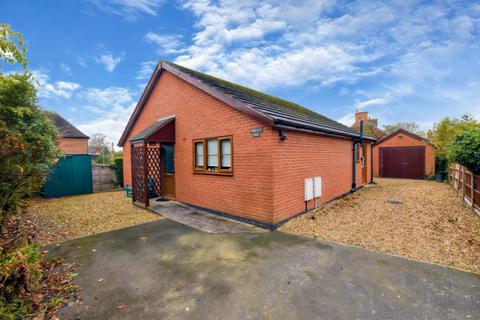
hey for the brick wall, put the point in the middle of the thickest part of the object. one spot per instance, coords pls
(403, 140)
(305, 155)
(74, 145)
(268, 180)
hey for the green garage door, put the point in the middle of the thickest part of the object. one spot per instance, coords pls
(71, 175)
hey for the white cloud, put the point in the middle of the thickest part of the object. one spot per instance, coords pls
(347, 119)
(276, 43)
(112, 96)
(49, 90)
(65, 68)
(109, 61)
(372, 102)
(281, 43)
(112, 106)
(111, 127)
(129, 9)
(166, 43)
(146, 70)
(81, 61)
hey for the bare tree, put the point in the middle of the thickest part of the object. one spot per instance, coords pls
(98, 140)
(408, 126)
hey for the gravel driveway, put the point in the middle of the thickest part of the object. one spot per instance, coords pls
(60, 219)
(417, 219)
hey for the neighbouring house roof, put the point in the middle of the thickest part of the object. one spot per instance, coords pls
(402, 131)
(66, 129)
(276, 112)
(96, 150)
(145, 134)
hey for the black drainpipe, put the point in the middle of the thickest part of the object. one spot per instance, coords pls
(354, 167)
(371, 163)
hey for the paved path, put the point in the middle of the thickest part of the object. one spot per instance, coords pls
(199, 219)
(165, 270)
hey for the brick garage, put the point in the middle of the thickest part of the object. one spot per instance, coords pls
(403, 154)
(274, 145)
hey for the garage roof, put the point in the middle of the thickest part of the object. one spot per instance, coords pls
(403, 131)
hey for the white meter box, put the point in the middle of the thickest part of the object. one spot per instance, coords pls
(308, 189)
(317, 187)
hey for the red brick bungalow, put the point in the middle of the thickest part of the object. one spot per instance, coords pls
(236, 151)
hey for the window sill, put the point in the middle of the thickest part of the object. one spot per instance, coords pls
(214, 173)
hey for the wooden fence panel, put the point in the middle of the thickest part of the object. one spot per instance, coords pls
(103, 178)
(466, 184)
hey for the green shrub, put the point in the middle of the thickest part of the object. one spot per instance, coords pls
(20, 275)
(441, 165)
(447, 130)
(466, 150)
(117, 166)
(28, 142)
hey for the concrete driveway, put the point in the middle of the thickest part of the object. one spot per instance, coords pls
(165, 270)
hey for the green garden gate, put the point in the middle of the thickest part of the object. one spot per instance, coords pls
(71, 175)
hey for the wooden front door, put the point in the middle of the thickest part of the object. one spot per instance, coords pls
(168, 172)
(364, 163)
(402, 162)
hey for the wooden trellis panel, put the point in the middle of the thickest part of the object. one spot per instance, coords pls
(146, 173)
(138, 174)
(154, 172)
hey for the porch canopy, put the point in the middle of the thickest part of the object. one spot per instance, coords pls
(159, 131)
(147, 159)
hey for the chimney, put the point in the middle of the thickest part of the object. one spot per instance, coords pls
(361, 116)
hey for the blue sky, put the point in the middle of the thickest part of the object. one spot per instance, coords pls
(399, 60)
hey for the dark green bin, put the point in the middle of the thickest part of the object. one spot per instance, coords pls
(71, 175)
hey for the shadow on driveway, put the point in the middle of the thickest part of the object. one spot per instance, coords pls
(165, 270)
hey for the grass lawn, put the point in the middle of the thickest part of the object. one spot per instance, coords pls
(56, 220)
(422, 220)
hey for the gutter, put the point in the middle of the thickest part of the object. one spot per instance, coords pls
(318, 132)
(302, 125)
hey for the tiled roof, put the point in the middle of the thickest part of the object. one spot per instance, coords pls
(66, 129)
(282, 111)
(277, 112)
